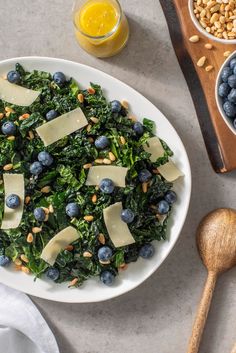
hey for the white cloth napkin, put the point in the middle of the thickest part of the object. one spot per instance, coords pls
(22, 327)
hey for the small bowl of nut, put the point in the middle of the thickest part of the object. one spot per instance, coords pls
(216, 19)
(225, 91)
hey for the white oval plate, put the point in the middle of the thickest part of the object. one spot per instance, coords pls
(93, 290)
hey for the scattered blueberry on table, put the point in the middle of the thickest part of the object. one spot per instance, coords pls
(107, 186)
(9, 128)
(13, 76)
(13, 201)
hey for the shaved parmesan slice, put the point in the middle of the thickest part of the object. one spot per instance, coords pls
(13, 184)
(17, 95)
(62, 126)
(169, 171)
(117, 229)
(154, 146)
(116, 174)
(59, 242)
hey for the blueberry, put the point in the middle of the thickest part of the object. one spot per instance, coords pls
(39, 214)
(72, 209)
(105, 253)
(131, 253)
(144, 176)
(232, 81)
(226, 72)
(170, 197)
(13, 201)
(36, 168)
(107, 186)
(53, 273)
(101, 142)
(4, 260)
(234, 123)
(127, 215)
(138, 128)
(59, 78)
(115, 106)
(232, 63)
(234, 70)
(163, 207)
(223, 90)
(52, 114)
(9, 128)
(147, 251)
(45, 158)
(13, 76)
(107, 277)
(229, 109)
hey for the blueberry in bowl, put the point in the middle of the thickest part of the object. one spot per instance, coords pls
(225, 91)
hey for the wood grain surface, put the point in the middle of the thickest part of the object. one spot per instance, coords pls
(219, 140)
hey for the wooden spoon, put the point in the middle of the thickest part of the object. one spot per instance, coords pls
(216, 240)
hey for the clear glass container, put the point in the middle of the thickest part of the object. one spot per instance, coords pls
(101, 26)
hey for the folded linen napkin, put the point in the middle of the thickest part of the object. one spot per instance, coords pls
(22, 327)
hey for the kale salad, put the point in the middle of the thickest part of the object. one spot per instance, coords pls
(56, 195)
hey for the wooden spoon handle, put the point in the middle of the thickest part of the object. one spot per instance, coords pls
(202, 313)
(234, 349)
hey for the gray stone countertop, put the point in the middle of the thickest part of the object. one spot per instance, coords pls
(157, 316)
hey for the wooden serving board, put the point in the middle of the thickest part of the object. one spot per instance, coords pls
(219, 140)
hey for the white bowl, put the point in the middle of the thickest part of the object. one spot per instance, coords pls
(219, 100)
(202, 30)
(93, 290)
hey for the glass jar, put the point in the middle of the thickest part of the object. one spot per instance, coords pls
(101, 27)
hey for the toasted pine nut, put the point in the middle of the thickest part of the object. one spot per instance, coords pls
(101, 238)
(24, 258)
(99, 161)
(46, 218)
(208, 46)
(125, 104)
(9, 110)
(194, 39)
(46, 189)
(88, 128)
(80, 97)
(87, 166)
(8, 166)
(30, 238)
(88, 218)
(24, 116)
(94, 120)
(123, 267)
(107, 262)
(69, 247)
(18, 262)
(227, 53)
(91, 140)
(209, 68)
(11, 138)
(91, 90)
(112, 156)
(1, 115)
(201, 61)
(133, 118)
(36, 230)
(27, 200)
(87, 254)
(31, 135)
(51, 209)
(8, 114)
(106, 161)
(144, 187)
(73, 282)
(46, 210)
(122, 140)
(25, 269)
(18, 267)
(94, 198)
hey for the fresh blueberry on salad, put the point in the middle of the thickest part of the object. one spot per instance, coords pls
(115, 106)
(223, 90)
(72, 209)
(101, 142)
(107, 277)
(105, 253)
(144, 176)
(39, 214)
(4, 260)
(127, 215)
(36, 168)
(107, 186)
(13, 76)
(147, 251)
(59, 78)
(13, 201)
(138, 128)
(163, 207)
(45, 158)
(9, 128)
(53, 273)
(170, 197)
(226, 72)
(51, 114)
